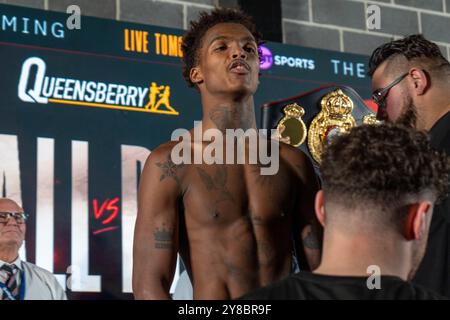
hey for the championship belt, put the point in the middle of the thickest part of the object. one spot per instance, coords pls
(312, 119)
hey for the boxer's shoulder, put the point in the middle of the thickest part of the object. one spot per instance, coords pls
(293, 156)
(162, 154)
(163, 150)
(299, 163)
(160, 165)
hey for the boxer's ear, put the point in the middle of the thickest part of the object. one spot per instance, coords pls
(196, 75)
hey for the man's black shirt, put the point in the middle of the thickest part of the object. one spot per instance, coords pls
(434, 271)
(311, 286)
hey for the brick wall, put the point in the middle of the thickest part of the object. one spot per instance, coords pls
(341, 24)
(329, 24)
(167, 13)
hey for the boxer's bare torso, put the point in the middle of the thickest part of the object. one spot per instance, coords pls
(233, 227)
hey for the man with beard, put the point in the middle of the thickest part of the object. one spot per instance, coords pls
(411, 83)
(234, 228)
(379, 187)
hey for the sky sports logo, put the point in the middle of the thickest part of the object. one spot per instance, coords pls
(47, 89)
(267, 60)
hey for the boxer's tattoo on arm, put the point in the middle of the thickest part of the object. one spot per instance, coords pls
(169, 169)
(310, 241)
(163, 238)
(218, 182)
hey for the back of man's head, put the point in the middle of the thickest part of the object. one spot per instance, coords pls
(373, 174)
(401, 54)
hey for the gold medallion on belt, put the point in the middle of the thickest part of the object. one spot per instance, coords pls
(335, 118)
(292, 126)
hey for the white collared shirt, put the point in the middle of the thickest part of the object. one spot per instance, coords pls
(40, 284)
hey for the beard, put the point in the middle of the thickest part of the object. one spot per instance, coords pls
(408, 117)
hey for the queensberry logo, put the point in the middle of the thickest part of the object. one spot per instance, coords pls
(47, 89)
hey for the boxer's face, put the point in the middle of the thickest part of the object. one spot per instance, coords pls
(229, 61)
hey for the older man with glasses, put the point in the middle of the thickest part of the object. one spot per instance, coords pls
(21, 280)
(411, 82)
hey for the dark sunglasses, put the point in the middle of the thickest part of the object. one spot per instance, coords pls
(20, 217)
(379, 95)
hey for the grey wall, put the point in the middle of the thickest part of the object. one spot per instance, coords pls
(329, 24)
(341, 24)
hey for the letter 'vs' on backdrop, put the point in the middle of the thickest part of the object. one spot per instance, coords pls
(80, 111)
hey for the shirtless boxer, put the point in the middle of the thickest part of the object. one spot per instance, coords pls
(234, 228)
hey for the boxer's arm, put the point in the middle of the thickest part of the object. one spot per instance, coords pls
(311, 230)
(156, 232)
(307, 230)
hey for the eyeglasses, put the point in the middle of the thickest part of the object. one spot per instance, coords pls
(379, 95)
(21, 217)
